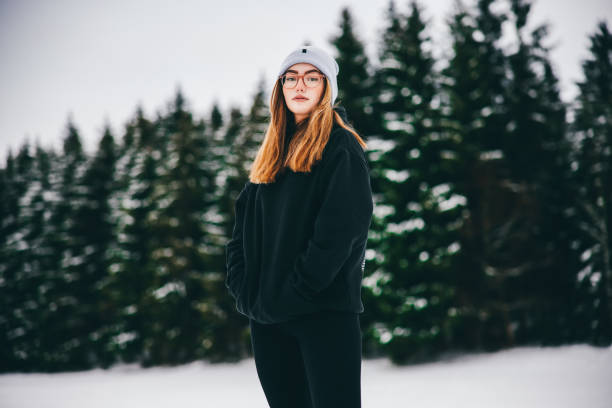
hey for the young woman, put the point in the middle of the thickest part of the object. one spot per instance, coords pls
(297, 253)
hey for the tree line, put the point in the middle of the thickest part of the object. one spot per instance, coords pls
(493, 208)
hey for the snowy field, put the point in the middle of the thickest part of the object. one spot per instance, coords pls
(576, 376)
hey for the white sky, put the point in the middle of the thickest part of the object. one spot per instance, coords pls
(97, 60)
(524, 377)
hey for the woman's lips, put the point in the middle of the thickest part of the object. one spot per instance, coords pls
(300, 98)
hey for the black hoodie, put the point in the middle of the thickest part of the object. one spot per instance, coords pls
(298, 244)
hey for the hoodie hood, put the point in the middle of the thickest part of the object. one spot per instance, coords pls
(342, 112)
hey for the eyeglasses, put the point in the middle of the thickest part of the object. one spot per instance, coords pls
(311, 80)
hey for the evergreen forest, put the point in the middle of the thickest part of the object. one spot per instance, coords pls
(491, 226)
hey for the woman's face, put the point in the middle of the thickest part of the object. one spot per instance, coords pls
(301, 99)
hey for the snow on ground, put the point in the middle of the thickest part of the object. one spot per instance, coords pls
(571, 376)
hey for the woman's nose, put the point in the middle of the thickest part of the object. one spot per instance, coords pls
(301, 85)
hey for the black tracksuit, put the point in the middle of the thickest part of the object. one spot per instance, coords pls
(297, 255)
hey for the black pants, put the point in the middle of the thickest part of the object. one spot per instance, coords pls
(311, 362)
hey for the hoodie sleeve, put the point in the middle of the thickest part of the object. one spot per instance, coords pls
(342, 221)
(234, 252)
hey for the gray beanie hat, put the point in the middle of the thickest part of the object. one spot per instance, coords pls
(317, 57)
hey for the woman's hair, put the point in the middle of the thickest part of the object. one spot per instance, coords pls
(307, 144)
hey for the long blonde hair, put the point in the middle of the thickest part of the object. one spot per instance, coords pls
(307, 144)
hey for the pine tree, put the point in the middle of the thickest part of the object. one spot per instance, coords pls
(531, 247)
(98, 226)
(7, 356)
(355, 81)
(184, 308)
(414, 236)
(8, 224)
(592, 161)
(216, 120)
(517, 266)
(64, 331)
(251, 131)
(16, 275)
(36, 208)
(133, 266)
(474, 88)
